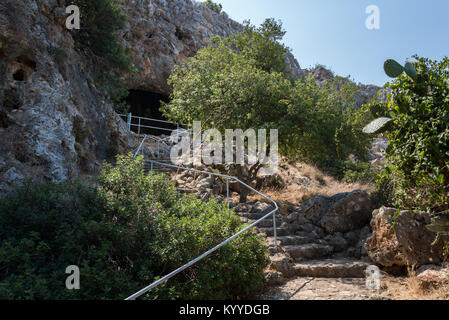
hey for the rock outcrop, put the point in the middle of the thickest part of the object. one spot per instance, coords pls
(162, 34)
(365, 94)
(403, 240)
(341, 213)
(55, 124)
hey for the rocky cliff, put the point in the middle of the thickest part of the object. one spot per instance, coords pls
(163, 33)
(367, 91)
(55, 124)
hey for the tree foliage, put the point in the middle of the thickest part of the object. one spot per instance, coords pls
(418, 152)
(242, 82)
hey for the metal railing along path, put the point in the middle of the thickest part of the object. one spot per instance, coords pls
(204, 255)
(140, 120)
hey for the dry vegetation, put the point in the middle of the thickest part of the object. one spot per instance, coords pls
(410, 288)
(303, 182)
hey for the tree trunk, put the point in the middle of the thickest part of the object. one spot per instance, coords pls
(246, 176)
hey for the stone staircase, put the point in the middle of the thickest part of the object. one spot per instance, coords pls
(301, 253)
(305, 248)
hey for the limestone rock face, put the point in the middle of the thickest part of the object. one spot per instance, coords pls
(162, 34)
(403, 240)
(55, 124)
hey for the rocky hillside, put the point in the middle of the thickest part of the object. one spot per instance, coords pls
(55, 123)
(367, 91)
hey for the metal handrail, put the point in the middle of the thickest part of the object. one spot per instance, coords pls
(204, 255)
(129, 117)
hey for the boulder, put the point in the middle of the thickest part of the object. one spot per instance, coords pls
(403, 240)
(432, 277)
(341, 213)
(280, 262)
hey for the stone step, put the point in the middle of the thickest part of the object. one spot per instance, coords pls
(282, 231)
(267, 223)
(290, 240)
(331, 268)
(309, 251)
(253, 215)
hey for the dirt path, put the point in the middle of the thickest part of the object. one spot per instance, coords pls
(324, 289)
(392, 288)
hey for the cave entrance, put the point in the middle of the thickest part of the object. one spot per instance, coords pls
(146, 104)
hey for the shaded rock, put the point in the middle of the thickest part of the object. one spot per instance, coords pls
(432, 277)
(262, 207)
(273, 278)
(337, 242)
(12, 177)
(340, 213)
(309, 251)
(270, 181)
(282, 263)
(352, 237)
(403, 240)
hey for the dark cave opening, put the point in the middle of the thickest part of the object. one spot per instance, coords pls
(146, 104)
(19, 75)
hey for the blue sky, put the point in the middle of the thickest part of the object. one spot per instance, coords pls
(333, 32)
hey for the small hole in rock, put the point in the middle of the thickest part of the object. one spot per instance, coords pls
(179, 34)
(19, 75)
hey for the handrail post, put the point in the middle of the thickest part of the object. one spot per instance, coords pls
(227, 191)
(129, 121)
(275, 231)
(139, 126)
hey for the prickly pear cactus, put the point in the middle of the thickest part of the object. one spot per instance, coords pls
(410, 70)
(392, 68)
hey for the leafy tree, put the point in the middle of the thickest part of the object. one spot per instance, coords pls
(262, 45)
(242, 82)
(327, 115)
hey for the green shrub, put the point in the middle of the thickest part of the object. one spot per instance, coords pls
(358, 171)
(217, 7)
(123, 234)
(418, 133)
